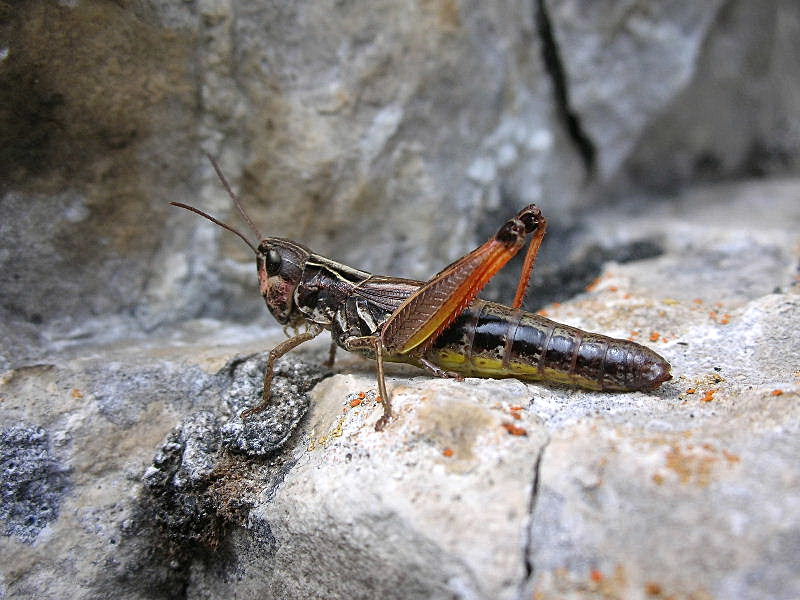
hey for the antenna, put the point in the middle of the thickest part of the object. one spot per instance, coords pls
(213, 220)
(235, 198)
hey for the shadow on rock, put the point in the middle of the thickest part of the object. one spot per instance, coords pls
(206, 477)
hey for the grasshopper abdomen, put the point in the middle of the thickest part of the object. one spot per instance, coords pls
(492, 340)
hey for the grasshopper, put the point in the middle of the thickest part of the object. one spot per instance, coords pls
(439, 325)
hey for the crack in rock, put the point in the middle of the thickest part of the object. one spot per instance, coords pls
(555, 69)
(529, 567)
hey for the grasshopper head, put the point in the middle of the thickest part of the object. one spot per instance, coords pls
(280, 266)
(280, 262)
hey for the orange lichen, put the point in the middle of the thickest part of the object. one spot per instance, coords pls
(593, 285)
(691, 465)
(698, 300)
(355, 402)
(709, 395)
(514, 429)
(362, 395)
(731, 457)
(596, 575)
(654, 335)
(448, 452)
(76, 393)
(514, 411)
(691, 391)
(776, 393)
(613, 288)
(652, 589)
(721, 320)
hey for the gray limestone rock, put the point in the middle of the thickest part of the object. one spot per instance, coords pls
(33, 482)
(265, 432)
(664, 93)
(623, 62)
(477, 489)
(739, 113)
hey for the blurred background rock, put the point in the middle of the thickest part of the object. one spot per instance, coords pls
(393, 137)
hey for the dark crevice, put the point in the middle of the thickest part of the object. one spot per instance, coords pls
(229, 370)
(555, 68)
(529, 566)
(559, 281)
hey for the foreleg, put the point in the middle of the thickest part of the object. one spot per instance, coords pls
(274, 354)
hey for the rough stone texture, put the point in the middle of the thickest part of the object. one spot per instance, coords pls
(95, 102)
(33, 481)
(400, 488)
(692, 491)
(741, 77)
(663, 93)
(264, 432)
(623, 62)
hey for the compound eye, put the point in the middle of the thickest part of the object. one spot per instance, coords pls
(273, 262)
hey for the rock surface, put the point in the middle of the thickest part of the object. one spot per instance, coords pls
(127, 473)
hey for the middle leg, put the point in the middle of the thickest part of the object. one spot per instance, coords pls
(373, 343)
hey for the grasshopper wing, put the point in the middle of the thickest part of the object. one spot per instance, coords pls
(420, 319)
